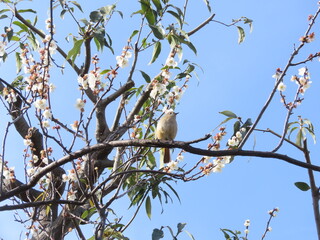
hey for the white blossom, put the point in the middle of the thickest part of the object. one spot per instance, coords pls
(83, 83)
(171, 62)
(302, 71)
(31, 171)
(52, 87)
(239, 135)
(11, 97)
(180, 158)
(128, 54)
(52, 47)
(92, 79)
(75, 125)
(27, 142)
(2, 48)
(227, 159)
(173, 165)
(166, 74)
(65, 178)
(41, 104)
(247, 223)
(122, 61)
(45, 124)
(72, 195)
(79, 104)
(206, 159)
(47, 114)
(233, 141)
(281, 87)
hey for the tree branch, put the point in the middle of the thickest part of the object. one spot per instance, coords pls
(201, 25)
(152, 143)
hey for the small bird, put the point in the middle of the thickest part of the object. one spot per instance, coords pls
(167, 128)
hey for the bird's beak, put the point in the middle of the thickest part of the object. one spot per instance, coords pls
(176, 113)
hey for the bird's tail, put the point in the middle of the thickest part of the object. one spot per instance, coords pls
(164, 156)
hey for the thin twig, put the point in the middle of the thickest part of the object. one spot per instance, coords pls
(314, 189)
(279, 80)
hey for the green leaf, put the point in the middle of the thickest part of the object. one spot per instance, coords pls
(302, 186)
(21, 25)
(148, 207)
(208, 4)
(176, 16)
(236, 127)
(170, 229)
(249, 21)
(151, 160)
(9, 33)
(15, 38)
(105, 71)
(226, 120)
(133, 34)
(148, 11)
(18, 62)
(156, 52)
(191, 46)
(33, 41)
(26, 10)
(157, 31)
(157, 234)
(95, 16)
(3, 16)
(4, 10)
(181, 226)
(312, 135)
(62, 13)
(241, 34)
(299, 137)
(75, 50)
(99, 38)
(77, 5)
(229, 114)
(173, 190)
(157, 4)
(190, 235)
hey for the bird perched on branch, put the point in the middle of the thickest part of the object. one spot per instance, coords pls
(167, 128)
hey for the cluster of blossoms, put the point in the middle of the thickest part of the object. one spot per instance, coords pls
(73, 173)
(10, 95)
(236, 139)
(273, 212)
(36, 75)
(2, 48)
(137, 132)
(247, 225)
(302, 79)
(80, 104)
(35, 161)
(173, 165)
(215, 166)
(92, 80)
(8, 173)
(37, 78)
(218, 163)
(161, 85)
(308, 39)
(123, 59)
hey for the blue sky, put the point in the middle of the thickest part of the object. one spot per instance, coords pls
(237, 78)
